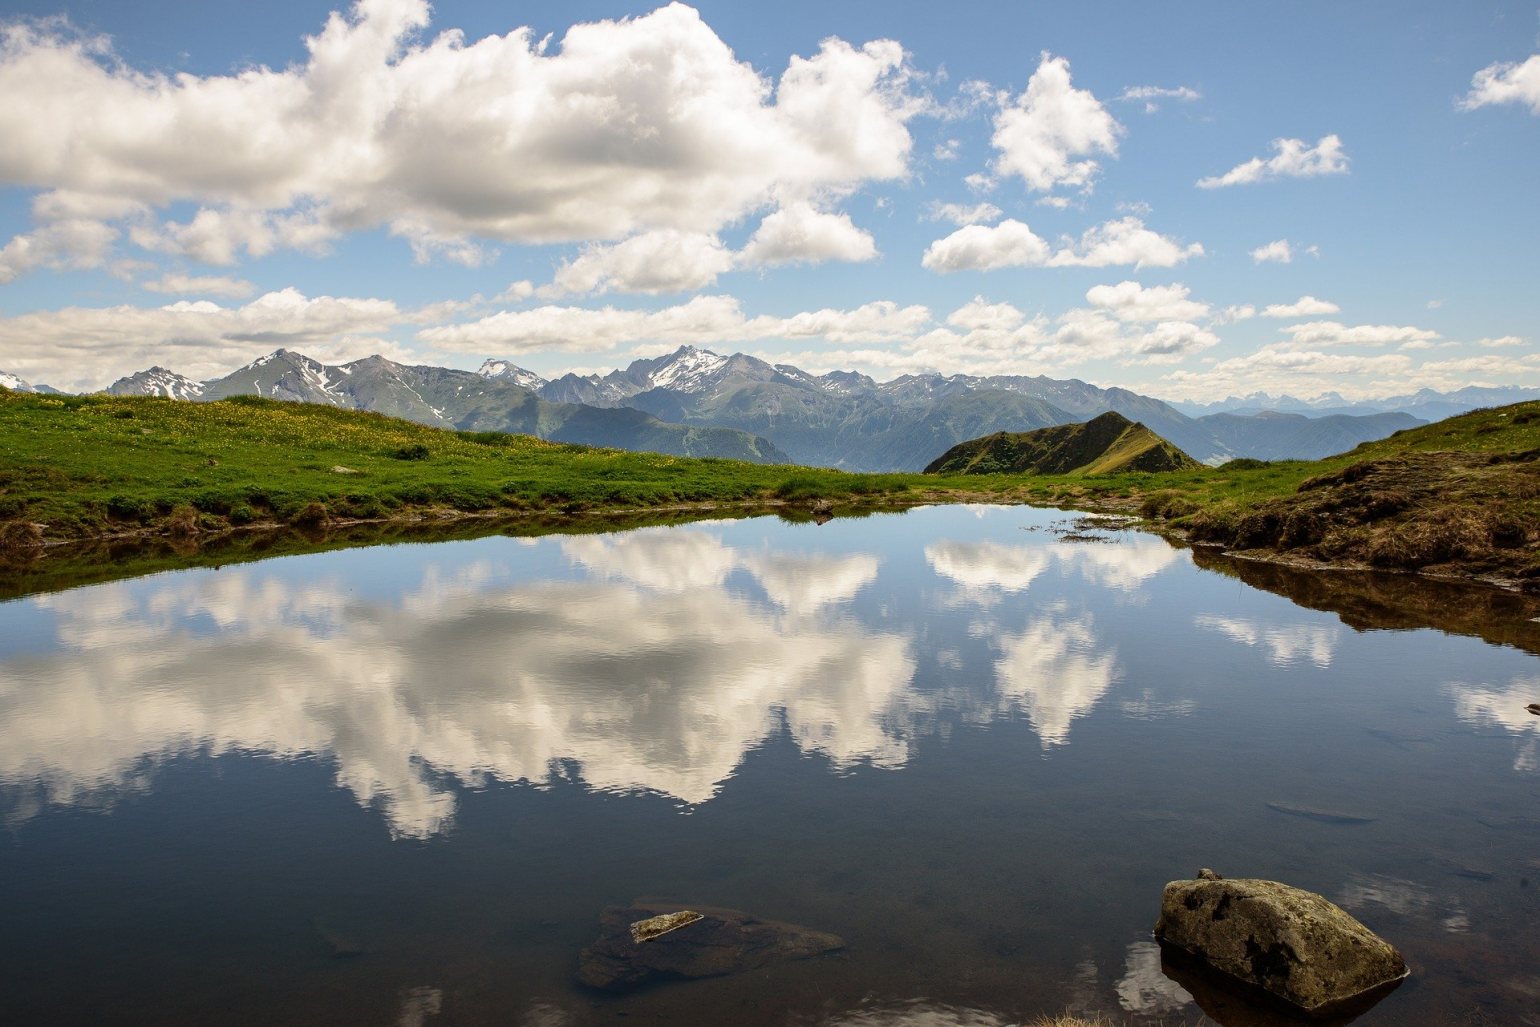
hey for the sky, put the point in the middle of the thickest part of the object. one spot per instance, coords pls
(1193, 200)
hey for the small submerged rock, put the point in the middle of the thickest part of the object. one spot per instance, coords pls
(642, 943)
(1534, 708)
(1291, 944)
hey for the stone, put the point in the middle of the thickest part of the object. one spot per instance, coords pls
(1534, 708)
(717, 942)
(1291, 944)
(657, 926)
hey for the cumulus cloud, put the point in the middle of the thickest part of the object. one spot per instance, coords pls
(1506, 82)
(1124, 241)
(1040, 133)
(1305, 306)
(79, 347)
(1500, 343)
(1131, 301)
(703, 320)
(628, 126)
(1012, 243)
(72, 244)
(1277, 252)
(664, 260)
(202, 285)
(799, 233)
(1334, 333)
(965, 214)
(1292, 158)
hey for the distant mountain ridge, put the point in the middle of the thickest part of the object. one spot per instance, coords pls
(1107, 444)
(1425, 404)
(839, 419)
(492, 400)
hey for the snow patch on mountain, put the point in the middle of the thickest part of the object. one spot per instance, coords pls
(157, 381)
(503, 370)
(688, 370)
(14, 383)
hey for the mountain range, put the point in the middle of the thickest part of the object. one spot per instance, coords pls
(699, 403)
(1426, 404)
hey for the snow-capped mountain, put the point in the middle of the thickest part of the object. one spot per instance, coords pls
(505, 371)
(448, 398)
(157, 381)
(14, 382)
(699, 402)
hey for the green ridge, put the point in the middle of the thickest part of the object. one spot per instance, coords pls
(1107, 444)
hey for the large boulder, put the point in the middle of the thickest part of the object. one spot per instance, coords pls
(1291, 944)
(668, 942)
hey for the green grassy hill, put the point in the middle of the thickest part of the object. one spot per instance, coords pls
(89, 466)
(1459, 497)
(1107, 444)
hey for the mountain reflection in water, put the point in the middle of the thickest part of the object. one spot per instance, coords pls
(974, 749)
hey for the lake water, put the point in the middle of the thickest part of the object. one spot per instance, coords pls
(397, 785)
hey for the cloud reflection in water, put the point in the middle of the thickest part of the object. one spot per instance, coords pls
(674, 656)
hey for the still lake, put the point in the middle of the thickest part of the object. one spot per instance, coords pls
(397, 785)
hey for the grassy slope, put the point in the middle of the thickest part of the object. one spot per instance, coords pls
(91, 466)
(1461, 495)
(1107, 444)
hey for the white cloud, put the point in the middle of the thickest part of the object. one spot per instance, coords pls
(1039, 134)
(1151, 96)
(1506, 82)
(1012, 243)
(1240, 312)
(663, 260)
(1333, 333)
(1184, 93)
(799, 233)
(76, 243)
(1293, 158)
(703, 320)
(1124, 241)
(517, 292)
(1500, 343)
(946, 150)
(1305, 306)
(883, 321)
(1278, 252)
(978, 314)
(1131, 301)
(628, 126)
(963, 214)
(84, 347)
(202, 285)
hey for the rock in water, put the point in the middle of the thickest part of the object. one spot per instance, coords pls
(1292, 944)
(721, 941)
(657, 926)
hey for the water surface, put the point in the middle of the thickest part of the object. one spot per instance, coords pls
(398, 784)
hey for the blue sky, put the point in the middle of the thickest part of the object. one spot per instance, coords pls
(972, 187)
